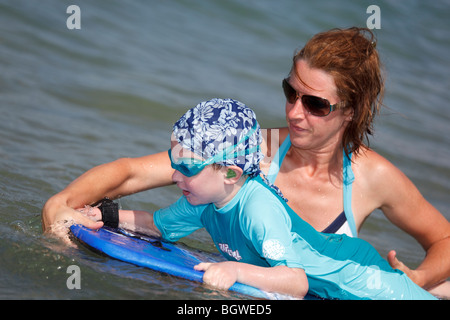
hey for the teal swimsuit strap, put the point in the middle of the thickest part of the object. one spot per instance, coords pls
(348, 178)
(278, 160)
(347, 172)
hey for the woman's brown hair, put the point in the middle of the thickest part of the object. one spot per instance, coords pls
(350, 57)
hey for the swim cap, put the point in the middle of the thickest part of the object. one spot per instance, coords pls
(223, 129)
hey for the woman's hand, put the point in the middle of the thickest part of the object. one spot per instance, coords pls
(92, 213)
(441, 290)
(397, 264)
(59, 217)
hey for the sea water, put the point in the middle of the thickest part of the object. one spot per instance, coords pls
(78, 93)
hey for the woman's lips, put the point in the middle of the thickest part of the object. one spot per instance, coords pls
(295, 128)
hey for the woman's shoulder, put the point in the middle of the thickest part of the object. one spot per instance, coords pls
(371, 163)
(375, 173)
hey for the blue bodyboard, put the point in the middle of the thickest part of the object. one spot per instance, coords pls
(152, 253)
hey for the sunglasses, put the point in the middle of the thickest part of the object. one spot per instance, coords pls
(316, 106)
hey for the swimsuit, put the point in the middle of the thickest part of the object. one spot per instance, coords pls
(258, 227)
(345, 222)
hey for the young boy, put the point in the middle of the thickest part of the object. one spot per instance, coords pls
(215, 154)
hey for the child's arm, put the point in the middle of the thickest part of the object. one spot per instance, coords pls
(280, 279)
(176, 221)
(133, 220)
(139, 221)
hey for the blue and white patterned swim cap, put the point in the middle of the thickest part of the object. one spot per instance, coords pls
(225, 129)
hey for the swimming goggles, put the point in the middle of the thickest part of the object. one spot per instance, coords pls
(316, 106)
(191, 166)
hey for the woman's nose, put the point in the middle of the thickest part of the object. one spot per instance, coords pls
(296, 110)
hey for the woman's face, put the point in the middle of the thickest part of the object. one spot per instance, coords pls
(306, 130)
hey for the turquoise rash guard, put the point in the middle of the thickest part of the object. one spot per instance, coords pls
(259, 228)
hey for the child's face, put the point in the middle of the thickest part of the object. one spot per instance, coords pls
(205, 187)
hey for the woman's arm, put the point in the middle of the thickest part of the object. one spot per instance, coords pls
(404, 206)
(280, 279)
(113, 180)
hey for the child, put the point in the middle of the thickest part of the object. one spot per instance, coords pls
(215, 154)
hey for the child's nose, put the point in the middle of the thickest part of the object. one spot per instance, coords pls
(176, 176)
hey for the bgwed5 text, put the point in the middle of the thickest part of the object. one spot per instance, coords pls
(246, 309)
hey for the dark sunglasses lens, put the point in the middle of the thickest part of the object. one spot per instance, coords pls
(316, 106)
(289, 92)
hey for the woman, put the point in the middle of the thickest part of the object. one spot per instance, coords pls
(333, 92)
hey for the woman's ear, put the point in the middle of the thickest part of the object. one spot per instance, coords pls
(232, 174)
(349, 115)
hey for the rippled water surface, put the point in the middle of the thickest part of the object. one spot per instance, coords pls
(73, 99)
